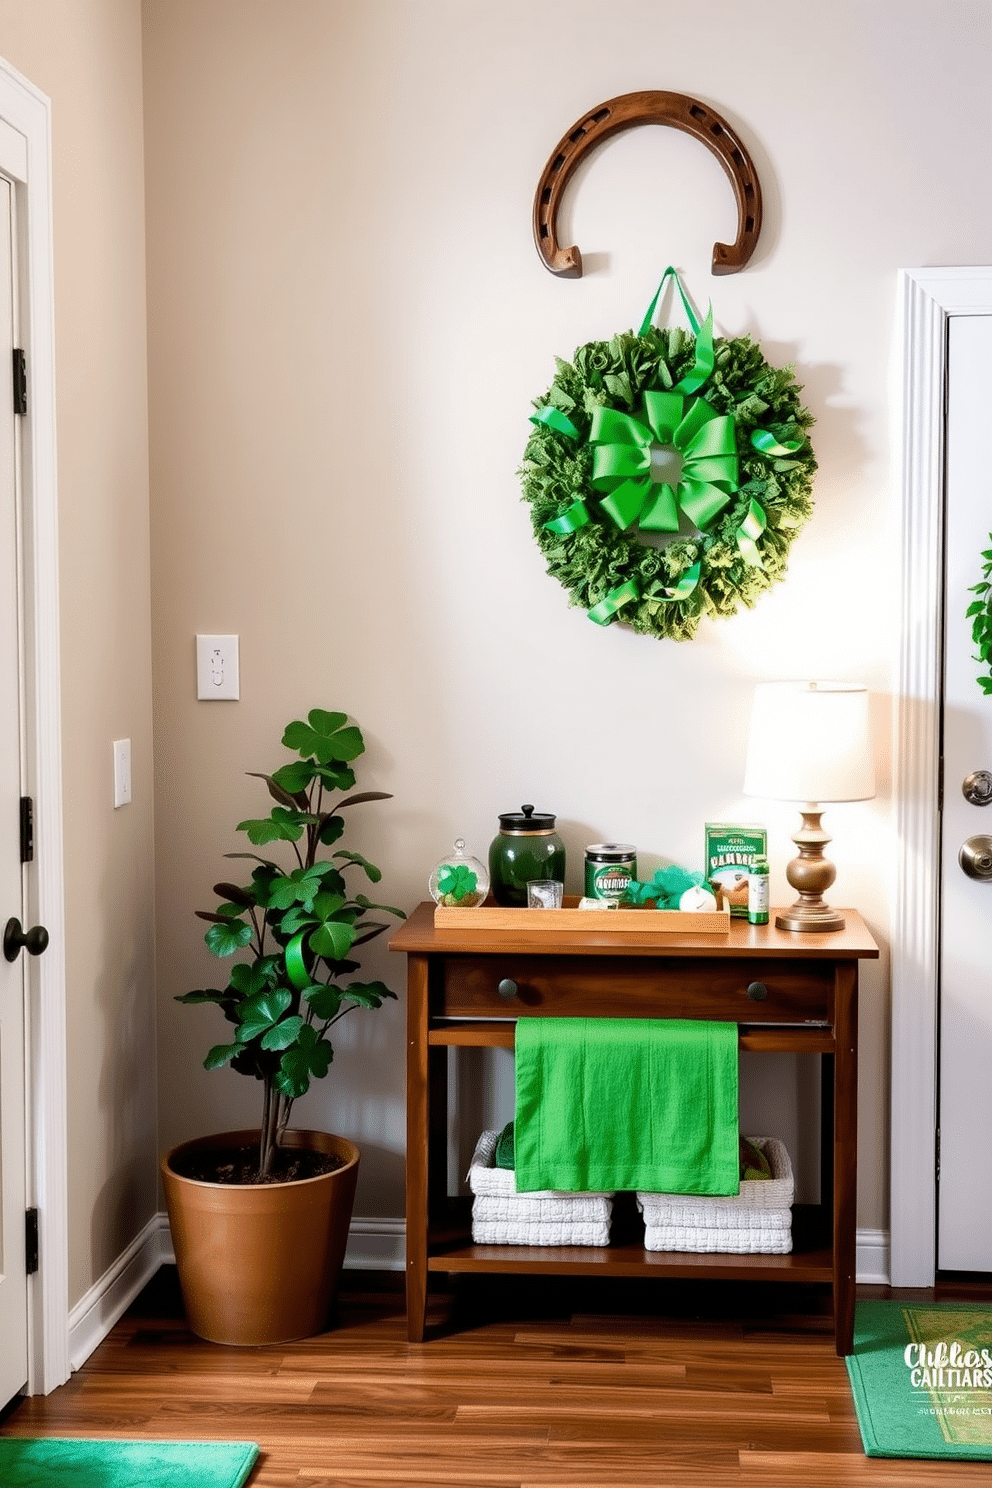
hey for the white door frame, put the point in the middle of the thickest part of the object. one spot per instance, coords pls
(927, 299)
(25, 147)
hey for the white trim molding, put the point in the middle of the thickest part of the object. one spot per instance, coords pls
(927, 299)
(109, 1298)
(26, 112)
(871, 1263)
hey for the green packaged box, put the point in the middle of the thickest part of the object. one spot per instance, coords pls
(730, 851)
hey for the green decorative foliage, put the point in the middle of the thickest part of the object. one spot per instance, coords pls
(456, 882)
(665, 888)
(298, 925)
(979, 612)
(605, 546)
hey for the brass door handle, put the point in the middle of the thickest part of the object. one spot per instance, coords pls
(975, 858)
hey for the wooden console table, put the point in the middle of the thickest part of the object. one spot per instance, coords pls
(787, 992)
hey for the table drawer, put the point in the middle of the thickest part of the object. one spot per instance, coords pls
(597, 987)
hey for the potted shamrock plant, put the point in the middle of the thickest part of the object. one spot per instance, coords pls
(239, 1200)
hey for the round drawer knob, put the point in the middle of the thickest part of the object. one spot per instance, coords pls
(507, 988)
(757, 991)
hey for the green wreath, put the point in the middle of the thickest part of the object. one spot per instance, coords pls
(658, 554)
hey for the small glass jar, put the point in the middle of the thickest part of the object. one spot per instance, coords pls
(459, 881)
(527, 847)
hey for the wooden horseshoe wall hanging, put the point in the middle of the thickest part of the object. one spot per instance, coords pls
(679, 111)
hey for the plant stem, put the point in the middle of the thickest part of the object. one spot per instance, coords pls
(264, 1158)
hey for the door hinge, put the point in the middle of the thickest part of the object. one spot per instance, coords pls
(30, 1241)
(27, 829)
(937, 1155)
(20, 381)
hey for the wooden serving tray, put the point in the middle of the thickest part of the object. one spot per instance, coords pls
(570, 917)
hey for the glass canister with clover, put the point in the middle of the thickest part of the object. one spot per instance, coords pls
(459, 881)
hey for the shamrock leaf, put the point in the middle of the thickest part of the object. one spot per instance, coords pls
(332, 940)
(227, 936)
(299, 887)
(259, 1014)
(296, 777)
(325, 737)
(310, 1056)
(457, 880)
(368, 994)
(324, 999)
(248, 980)
(282, 825)
(282, 1034)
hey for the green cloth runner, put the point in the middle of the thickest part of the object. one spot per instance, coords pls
(626, 1103)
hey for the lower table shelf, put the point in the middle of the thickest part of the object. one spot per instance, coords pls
(811, 1259)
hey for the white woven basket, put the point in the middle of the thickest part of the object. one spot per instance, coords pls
(501, 1216)
(700, 1238)
(756, 1194)
(756, 1221)
(483, 1178)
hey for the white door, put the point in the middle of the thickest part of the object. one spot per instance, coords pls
(13, 1278)
(964, 1191)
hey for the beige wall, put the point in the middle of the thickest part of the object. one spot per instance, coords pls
(348, 321)
(87, 57)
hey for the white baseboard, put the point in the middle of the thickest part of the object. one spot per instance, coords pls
(373, 1245)
(871, 1266)
(109, 1298)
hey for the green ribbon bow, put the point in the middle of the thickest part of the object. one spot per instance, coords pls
(621, 466)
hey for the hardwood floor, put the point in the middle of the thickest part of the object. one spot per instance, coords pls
(593, 1385)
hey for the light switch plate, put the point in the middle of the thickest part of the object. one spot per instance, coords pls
(217, 672)
(122, 772)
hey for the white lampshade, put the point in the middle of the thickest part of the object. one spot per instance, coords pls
(810, 741)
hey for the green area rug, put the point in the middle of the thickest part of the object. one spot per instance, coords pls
(921, 1375)
(58, 1462)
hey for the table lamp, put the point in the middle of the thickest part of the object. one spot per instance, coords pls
(810, 742)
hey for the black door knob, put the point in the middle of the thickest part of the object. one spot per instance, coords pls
(34, 941)
(757, 991)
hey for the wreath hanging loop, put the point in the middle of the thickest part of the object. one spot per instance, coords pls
(660, 553)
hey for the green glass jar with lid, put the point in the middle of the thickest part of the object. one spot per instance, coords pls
(526, 848)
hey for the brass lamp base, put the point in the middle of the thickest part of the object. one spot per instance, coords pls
(810, 874)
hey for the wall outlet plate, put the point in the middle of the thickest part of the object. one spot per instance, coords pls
(217, 671)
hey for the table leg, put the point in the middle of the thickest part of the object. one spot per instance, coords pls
(845, 1152)
(417, 1119)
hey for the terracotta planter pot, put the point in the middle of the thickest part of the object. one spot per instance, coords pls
(260, 1263)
